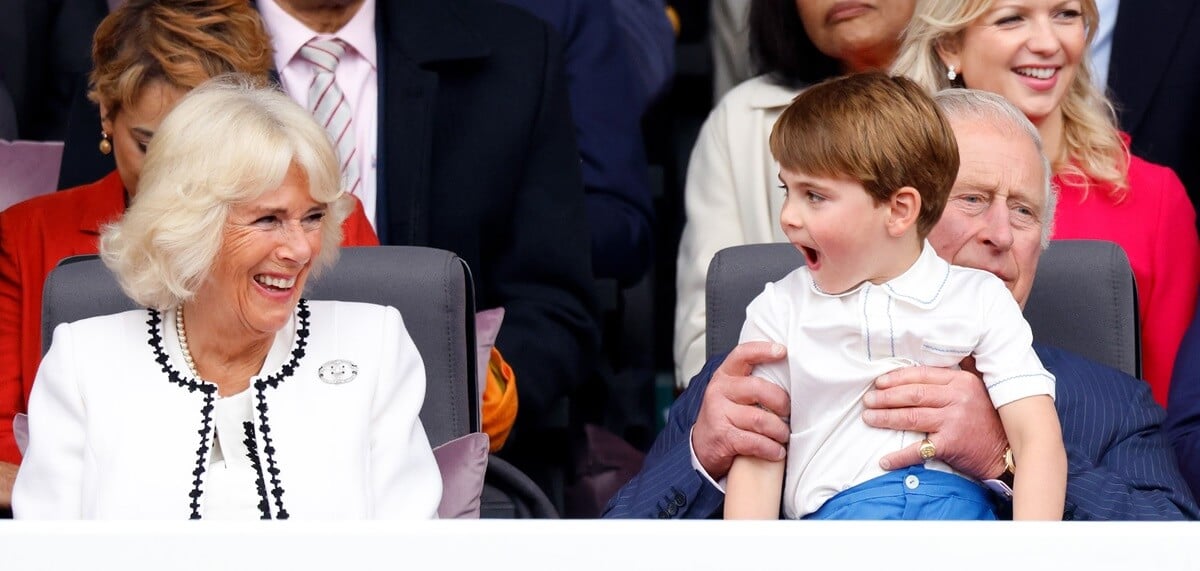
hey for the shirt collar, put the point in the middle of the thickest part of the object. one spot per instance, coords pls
(920, 285)
(771, 95)
(289, 34)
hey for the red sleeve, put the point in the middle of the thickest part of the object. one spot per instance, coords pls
(357, 230)
(12, 397)
(1176, 267)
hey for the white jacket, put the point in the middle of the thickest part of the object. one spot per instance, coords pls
(111, 435)
(732, 198)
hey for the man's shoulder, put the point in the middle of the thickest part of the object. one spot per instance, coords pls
(1077, 375)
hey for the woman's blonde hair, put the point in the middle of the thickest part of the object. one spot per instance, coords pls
(227, 142)
(1095, 152)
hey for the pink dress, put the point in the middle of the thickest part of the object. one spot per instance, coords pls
(1156, 226)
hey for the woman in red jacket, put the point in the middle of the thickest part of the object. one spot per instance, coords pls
(1034, 52)
(146, 55)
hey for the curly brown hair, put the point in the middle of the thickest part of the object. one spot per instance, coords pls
(179, 42)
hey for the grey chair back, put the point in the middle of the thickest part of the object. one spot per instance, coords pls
(431, 288)
(1083, 300)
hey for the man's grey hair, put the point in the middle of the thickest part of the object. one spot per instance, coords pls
(976, 105)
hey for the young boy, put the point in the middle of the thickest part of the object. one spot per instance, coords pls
(867, 162)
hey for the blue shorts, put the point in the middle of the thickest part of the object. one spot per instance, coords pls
(912, 493)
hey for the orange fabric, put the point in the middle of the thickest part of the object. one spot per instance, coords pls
(34, 236)
(499, 400)
(673, 17)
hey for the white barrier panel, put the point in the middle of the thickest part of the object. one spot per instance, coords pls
(492, 545)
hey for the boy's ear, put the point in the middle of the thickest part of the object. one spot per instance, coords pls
(904, 207)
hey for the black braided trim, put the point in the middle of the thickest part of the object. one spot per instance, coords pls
(252, 454)
(273, 381)
(192, 385)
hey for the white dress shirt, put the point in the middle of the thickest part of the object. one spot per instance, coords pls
(1100, 52)
(357, 76)
(933, 314)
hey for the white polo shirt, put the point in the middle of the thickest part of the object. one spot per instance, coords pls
(934, 314)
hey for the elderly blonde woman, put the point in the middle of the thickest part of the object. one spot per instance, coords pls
(1034, 53)
(146, 55)
(230, 396)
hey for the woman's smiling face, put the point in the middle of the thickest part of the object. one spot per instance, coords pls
(1029, 51)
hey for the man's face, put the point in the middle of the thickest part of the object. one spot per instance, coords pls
(993, 220)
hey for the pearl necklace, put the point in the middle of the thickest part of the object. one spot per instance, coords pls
(181, 332)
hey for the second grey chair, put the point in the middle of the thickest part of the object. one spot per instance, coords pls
(1083, 299)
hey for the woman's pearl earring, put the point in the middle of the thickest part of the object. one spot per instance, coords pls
(105, 144)
(951, 75)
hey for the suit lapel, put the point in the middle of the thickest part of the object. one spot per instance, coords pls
(415, 36)
(1139, 59)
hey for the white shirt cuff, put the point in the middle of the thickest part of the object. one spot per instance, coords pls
(699, 468)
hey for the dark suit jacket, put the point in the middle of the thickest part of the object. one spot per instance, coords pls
(1183, 406)
(8, 115)
(477, 155)
(47, 71)
(1155, 85)
(1120, 466)
(606, 108)
(53, 54)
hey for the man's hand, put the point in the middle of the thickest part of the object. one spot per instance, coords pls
(8, 476)
(952, 406)
(741, 415)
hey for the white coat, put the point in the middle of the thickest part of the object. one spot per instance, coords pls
(112, 435)
(732, 197)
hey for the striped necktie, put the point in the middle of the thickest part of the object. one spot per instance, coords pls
(329, 105)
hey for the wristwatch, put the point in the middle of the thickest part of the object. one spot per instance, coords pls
(1003, 483)
(1010, 467)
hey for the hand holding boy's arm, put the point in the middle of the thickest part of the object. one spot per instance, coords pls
(754, 488)
(741, 415)
(1040, 480)
(952, 406)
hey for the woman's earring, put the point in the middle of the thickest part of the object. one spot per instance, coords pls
(951, 75)
(105, 144)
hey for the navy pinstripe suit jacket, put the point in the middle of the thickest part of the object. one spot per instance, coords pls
(1121, 466)
(1183, 406)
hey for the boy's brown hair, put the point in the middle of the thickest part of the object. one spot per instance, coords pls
(883, 132)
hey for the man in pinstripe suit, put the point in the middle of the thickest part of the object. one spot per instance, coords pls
(1121, 466)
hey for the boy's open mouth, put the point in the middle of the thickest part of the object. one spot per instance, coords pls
(812, 258)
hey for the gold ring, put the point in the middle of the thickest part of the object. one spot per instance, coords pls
(927, 449)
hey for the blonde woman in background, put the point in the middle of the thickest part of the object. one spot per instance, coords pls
(1034, 53)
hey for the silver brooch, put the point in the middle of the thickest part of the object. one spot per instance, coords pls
(338, 372)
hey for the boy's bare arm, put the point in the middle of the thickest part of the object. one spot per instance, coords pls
(1040, 477)
(754, 488)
